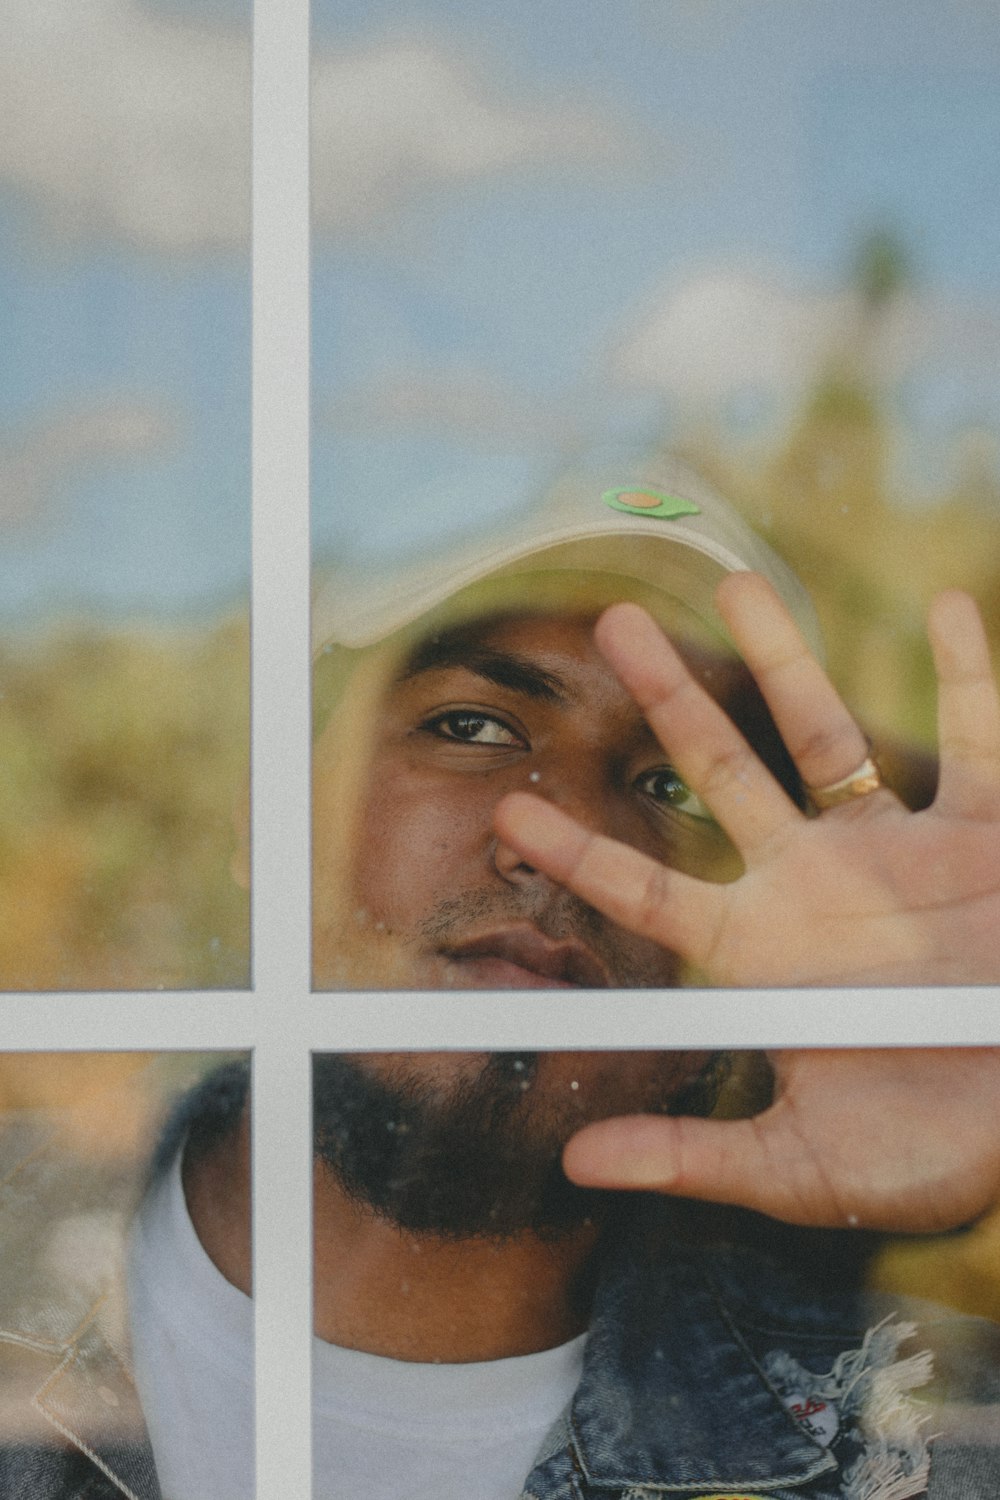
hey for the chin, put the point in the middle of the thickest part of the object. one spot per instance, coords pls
(450, 1145)
(462, 1145)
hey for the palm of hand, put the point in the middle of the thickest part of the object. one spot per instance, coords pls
(881, 1139)
(866, 893)
(872, 895)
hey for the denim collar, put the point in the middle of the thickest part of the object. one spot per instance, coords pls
(671, 1400)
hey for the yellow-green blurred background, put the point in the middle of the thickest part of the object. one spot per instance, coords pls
(123, 753)
(825, 492)
(124, 491)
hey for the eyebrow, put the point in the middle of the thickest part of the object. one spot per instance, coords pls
(503, 668)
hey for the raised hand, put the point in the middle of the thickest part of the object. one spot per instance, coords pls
(865, 893)
(902, 1139)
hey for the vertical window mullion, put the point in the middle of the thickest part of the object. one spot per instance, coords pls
(280, 749)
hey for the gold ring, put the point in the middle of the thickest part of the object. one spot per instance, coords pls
(867, 778)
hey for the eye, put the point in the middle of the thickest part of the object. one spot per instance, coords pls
(471, 727)
(664, 787)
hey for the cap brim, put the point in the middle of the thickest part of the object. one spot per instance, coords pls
(684, 556)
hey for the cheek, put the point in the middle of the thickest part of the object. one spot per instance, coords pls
(419, 843)
(597, 1085)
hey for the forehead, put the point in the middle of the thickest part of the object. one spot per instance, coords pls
(547, 663)
(349, 682)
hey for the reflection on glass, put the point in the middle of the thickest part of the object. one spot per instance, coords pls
(692, 817)
(732, 240)
(121, 1331)
(496, 687)
(483, 1312)
(124, 498)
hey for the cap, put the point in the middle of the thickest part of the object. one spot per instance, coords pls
(656, 522)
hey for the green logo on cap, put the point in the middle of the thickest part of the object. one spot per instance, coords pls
(637, 501)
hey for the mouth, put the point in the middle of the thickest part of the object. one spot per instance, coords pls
(522, 958)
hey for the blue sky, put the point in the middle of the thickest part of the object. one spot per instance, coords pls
(538, 226)
(747, 149)
(124, 310)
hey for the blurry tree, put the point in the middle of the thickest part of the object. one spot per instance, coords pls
(121, 754)
(960, 1270)
(881, 268)
(822, 493)
(107, 1105)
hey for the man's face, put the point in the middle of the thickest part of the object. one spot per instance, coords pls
(517, 702)
(470, 1143)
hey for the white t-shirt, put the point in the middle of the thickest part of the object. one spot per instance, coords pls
(433, 1432)
(192, 1344)
(382, 1427)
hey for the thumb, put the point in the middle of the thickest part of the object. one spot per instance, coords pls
(719, 1161)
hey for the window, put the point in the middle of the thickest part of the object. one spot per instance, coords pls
(364, 458)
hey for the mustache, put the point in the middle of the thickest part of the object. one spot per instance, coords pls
(557, 913)
(557, 916)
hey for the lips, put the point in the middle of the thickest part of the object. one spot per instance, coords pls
(521, 957)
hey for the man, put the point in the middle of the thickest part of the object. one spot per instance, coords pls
(463, 1242)
(693, 848)
(479, 1319)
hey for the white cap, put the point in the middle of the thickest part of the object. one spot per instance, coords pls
(653, 521)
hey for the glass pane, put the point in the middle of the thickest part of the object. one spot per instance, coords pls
(629, 279)
(124, 503)
(485, 1315)
(127, 1327)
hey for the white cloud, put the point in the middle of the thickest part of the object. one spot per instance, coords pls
(396, 117)
(118, 122)
(703, 339)
(724, 334)
(37, 459)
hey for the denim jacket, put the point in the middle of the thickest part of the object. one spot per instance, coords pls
(726, 1357)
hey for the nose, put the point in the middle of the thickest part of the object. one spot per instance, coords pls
(579, 793)
(511, 867)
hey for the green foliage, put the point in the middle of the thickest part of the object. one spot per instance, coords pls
(122, 752)
(823, 492)
(881, 267)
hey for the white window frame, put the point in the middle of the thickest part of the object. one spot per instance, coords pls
(281, 1021)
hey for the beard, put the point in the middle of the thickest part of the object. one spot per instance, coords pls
(482, 1160)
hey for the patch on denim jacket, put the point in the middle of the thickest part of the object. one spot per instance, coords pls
(863, 1404)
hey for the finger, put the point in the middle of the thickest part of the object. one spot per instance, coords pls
(968, 709)
(822, 737)
(718, 1161)
(675, 910)
(703, 743)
